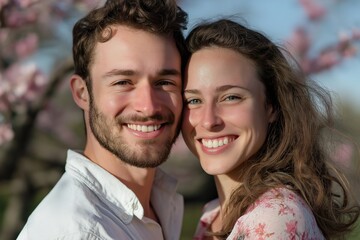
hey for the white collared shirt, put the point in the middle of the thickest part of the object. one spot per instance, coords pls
(91, 204)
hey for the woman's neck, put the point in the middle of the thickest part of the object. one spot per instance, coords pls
(225, 186)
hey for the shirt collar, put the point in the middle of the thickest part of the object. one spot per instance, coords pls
(168, 204)
(119, 198)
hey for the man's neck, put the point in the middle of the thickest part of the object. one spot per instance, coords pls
(139, 180)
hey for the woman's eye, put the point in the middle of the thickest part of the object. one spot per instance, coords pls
(193, 101)
(231, 98)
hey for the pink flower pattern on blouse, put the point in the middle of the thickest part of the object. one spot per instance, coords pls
(278, 214)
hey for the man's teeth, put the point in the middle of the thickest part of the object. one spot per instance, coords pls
(214, 143)
(144, 128)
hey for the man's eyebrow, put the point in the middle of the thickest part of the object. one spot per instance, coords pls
(117, 72)
(129, 72)
(165, 72)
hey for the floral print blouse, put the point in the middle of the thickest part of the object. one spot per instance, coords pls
(278, 214)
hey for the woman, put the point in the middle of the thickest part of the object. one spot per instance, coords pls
(256, 124)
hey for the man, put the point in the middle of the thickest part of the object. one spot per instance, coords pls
(128, 58)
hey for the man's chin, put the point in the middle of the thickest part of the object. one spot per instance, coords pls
(145, 164)
(144, 158)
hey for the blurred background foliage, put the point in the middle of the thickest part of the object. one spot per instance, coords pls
(39, 120)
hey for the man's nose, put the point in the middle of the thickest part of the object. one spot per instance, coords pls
(147, 100)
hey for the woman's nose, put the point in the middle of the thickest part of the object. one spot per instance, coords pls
(211, 117)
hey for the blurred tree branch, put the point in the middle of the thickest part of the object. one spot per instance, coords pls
(18, 146)
(24, 181)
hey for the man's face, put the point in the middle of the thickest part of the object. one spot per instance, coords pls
(135, 100)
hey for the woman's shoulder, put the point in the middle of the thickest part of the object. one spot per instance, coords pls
(281, 198)
(278, 214)
(211, 205)
(209, 213)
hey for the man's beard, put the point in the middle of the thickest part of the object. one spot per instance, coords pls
(147, 153)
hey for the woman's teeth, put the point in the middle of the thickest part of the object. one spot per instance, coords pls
(214, 143)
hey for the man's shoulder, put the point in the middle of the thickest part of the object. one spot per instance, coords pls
(26, 234)
(66, 210)
(67, 195)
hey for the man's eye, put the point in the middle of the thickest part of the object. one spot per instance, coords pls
(122, 82)
(165, 83)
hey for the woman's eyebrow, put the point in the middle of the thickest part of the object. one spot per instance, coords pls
(218, 89)
(192, 91)
(227, 87)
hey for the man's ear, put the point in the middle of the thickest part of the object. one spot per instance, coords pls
(80, 92)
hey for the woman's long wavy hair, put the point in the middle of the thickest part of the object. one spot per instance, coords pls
(293, 154)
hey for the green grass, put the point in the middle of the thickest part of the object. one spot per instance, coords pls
(355, 234)
(3, 203)
(192, 215)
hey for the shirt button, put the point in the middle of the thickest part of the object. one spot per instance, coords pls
(135, 206)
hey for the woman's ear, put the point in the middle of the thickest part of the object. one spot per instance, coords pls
(80, 92)
(272, 114)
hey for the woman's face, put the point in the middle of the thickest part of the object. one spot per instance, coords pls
(225, 112)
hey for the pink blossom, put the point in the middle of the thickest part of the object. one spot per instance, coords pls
(345, 46)
(3, 3)
(15, 17)
(4, 34)
(4, 105)
(306, 66)
(343, 154)
(85, 5)
(326, 60)
(356, 34)
(6, 133)
(312, 9)
(25, 3)
(349, 51)
(344, 37)
(27, 45)
(24, 82)
(299, 43)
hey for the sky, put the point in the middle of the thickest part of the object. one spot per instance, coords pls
(275, 18)
(278, 18)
